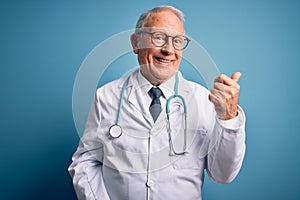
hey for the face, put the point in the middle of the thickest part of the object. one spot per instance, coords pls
(158, 64)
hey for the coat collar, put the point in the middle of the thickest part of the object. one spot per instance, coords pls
(137, 82)
(138, 87)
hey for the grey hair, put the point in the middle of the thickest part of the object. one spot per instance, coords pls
(143, 18)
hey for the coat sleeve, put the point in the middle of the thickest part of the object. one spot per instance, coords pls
(86, 166)
(225, 158)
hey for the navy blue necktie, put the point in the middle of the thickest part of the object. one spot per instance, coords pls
(155, 106)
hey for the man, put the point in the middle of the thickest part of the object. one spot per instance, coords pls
(149, 154)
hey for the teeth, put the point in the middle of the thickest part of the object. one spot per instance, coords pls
(163, 60)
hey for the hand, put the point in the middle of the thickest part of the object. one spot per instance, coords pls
(225, 95)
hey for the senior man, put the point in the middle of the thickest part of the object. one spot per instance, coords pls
(168, 130)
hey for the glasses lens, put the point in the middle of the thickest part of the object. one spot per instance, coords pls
(159, 39)
(180, 42)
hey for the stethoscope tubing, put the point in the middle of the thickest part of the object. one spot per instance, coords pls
(117, 127)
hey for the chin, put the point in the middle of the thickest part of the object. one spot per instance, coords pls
(163, 73)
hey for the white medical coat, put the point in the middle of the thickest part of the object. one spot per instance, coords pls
(139, 164)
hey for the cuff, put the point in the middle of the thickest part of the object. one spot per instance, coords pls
(234, 123)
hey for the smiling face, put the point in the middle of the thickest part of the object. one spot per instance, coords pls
(158, 64)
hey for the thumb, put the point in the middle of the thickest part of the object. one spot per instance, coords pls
(236, 76)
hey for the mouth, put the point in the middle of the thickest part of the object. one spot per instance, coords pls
(162, 60)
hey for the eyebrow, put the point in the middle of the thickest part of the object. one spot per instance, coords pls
(164, 30)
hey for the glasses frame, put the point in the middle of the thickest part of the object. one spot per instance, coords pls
(167, 39)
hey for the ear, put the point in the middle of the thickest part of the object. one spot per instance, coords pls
(134, 38)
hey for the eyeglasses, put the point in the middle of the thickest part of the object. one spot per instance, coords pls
(159, 39)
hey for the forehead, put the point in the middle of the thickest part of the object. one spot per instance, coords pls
(165, 20)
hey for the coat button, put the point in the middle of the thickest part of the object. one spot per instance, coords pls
(149, 183)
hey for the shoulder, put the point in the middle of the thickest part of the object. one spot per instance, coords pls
(115, 86)
(110, 87)
(198, 86)
(195, 87)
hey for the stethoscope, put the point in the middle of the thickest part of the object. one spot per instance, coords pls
(115, 131)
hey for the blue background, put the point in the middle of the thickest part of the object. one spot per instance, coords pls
(43, 44)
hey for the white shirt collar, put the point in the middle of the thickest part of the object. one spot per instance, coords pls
(143, 83)
(167, 87)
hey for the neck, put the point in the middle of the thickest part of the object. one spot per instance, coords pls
(155, 84)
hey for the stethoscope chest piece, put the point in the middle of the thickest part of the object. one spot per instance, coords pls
(115, 131)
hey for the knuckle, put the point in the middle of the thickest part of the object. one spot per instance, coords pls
(215, 84)
(220, 86)
(236, 91)
(228, 98)
(217, 79)
(231, 92)
(222, 76)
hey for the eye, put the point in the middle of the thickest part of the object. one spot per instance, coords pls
(178, 40)
(158, 37)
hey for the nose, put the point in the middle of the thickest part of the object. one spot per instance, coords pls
(168, 48)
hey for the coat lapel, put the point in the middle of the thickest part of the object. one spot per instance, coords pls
(138, 98)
